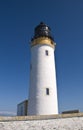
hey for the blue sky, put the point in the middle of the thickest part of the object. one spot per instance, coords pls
(17, 21)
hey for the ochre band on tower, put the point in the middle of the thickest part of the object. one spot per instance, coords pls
(43, 40)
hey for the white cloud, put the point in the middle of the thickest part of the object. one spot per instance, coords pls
(7, 113)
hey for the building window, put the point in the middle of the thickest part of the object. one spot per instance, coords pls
(21, 110)
(47, 91)
(31, 66)
(46, 52)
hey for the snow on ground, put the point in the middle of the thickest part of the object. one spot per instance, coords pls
(74, 123)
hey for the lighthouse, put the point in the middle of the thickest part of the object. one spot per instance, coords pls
(43, 87)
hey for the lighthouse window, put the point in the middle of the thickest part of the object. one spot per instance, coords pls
(46, 52)
(47, 91)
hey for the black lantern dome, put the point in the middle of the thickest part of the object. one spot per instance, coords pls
(42, 30)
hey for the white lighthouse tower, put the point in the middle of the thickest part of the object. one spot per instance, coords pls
(43, 88)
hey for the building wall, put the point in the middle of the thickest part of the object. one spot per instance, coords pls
(43, 76)
(22, 108)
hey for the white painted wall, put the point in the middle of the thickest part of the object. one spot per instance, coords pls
(74, 123)
(42, 76)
